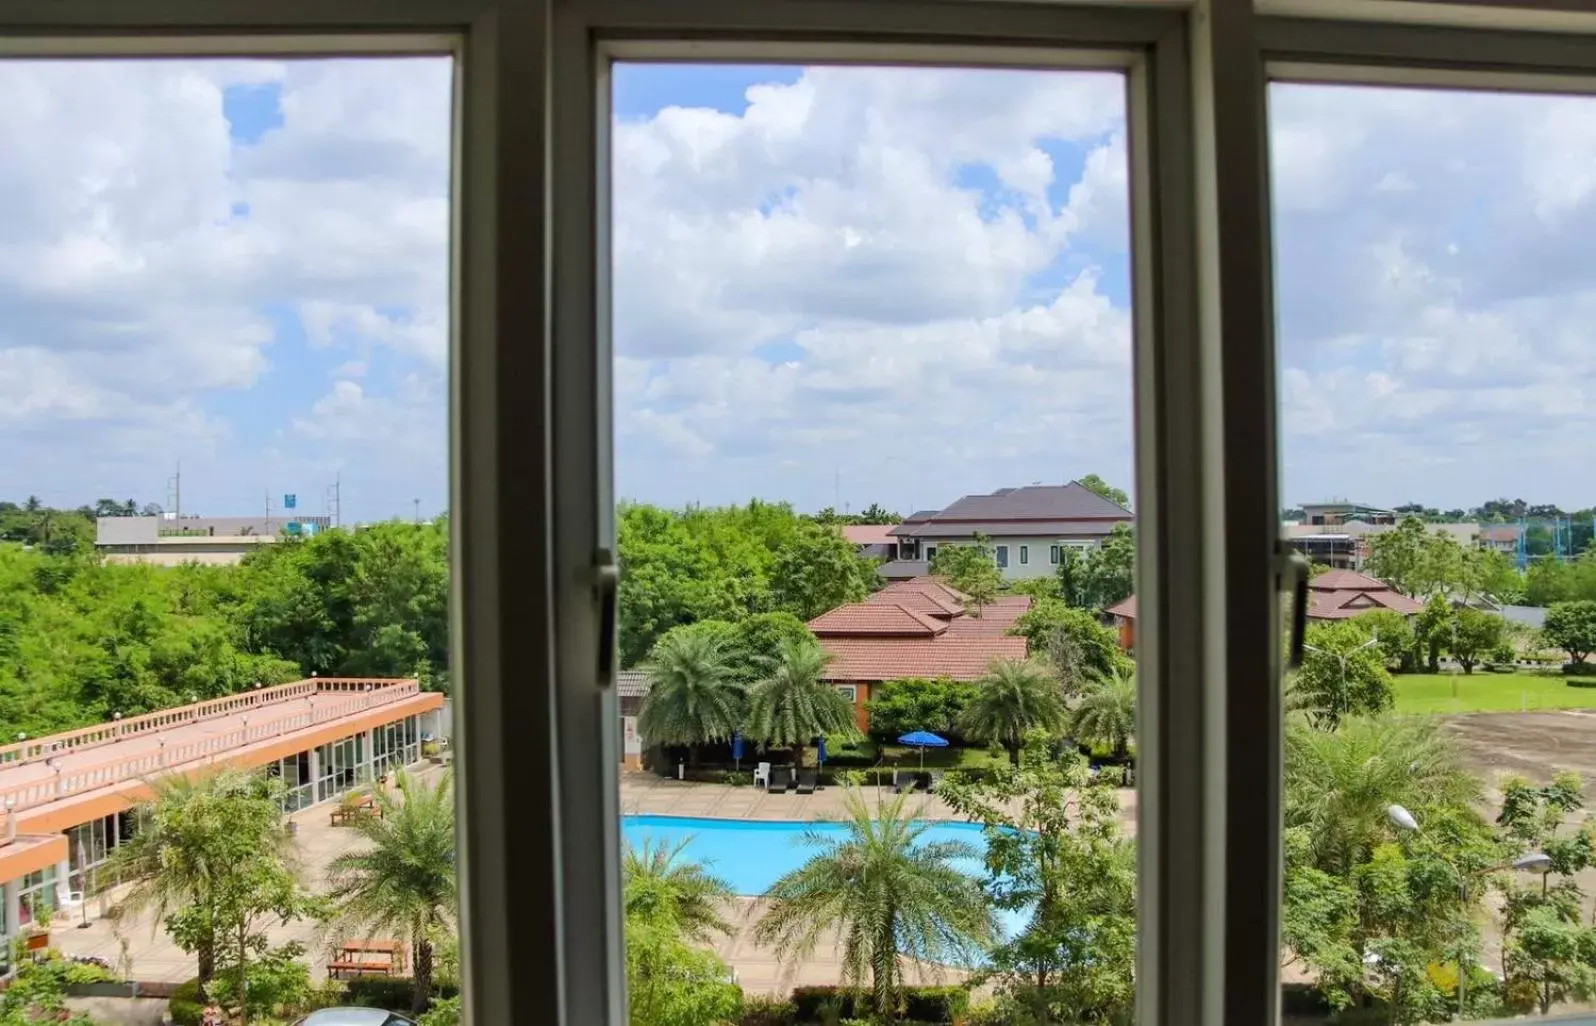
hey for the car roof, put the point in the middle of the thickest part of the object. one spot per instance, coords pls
(354, 1017)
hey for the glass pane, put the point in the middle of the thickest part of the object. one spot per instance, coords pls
(873, 356)
(224, 310)
(1434, 296)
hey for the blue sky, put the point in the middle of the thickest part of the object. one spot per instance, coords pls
(845, 285)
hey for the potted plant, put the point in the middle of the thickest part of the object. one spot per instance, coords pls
(433, 752)
(38, 936)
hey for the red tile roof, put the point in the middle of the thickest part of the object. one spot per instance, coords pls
(1346, 580)
(1350, 602)
(931, 604)
(996, 617)
(869, 534)
(876, 619)
(1126, 609)
(876, 659)
(929, 585)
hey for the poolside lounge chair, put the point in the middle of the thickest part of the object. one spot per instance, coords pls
(932, 779)
(762, 775)
(807, 780)
(780, 779)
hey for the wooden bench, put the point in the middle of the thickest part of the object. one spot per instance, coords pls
(367, 805)
(354, 967)
(363, 957)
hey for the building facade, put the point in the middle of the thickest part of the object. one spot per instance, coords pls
(67, 798)
(1028, 529)
(171, 541)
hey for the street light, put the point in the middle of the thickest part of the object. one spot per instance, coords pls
(1533, 861)
(1341, 657)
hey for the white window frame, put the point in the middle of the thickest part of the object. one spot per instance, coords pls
(530, 438)
(848, 691)
(1025, 554)
(1000, 553)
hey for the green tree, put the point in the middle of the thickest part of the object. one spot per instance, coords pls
(793, 704)
(1420, 562)
(1055, 851)
(1106, 714)
(755, 642)
(671, 983)
(208, 857)
(1093, 483)
(819, 570)
(1394, 634)
(1475, 635)
(1571, 626)
(971, 569)
(1432, 630)
(1012, 699)
(903, 706)
(1109, 571)
(1342, 674)
(692, 699)
(890, 896)
(659, 885)
(1077, 645)
(37, 994)
(403, 881)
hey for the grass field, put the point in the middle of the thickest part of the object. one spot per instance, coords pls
(1491, 692)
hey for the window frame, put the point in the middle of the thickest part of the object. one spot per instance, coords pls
(529, 453)
(1025, 554)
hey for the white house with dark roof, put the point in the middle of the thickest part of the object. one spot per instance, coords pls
(1028, 527)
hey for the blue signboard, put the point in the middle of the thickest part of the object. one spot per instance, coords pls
(290, 500)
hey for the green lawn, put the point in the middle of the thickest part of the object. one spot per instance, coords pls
(868, 752)
(1491, 692)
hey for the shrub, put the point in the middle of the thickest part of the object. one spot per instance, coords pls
(920, 1004)
(186, 1006)
(390, 992)
(443, 1012)
(739, 778)
(763, 1010)
(915, 703)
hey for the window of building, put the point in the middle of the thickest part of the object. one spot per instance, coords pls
(1002, 553)
(1025, 554)
(1054, 554)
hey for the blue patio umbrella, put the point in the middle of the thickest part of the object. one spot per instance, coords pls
(923, 739)
(820, 749)
(737, 748)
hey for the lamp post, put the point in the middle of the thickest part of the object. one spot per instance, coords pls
(1341, 657)
(1402, 819)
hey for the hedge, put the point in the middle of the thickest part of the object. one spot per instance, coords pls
(391, 992)
(921, 1004)
(185, 1006)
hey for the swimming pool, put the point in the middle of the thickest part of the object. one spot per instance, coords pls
(753, 854)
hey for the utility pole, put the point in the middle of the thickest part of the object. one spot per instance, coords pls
(332, 500)
(417, 503)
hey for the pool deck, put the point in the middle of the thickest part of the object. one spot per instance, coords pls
(647, 794)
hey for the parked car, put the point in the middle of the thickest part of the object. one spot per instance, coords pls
(354, 1017)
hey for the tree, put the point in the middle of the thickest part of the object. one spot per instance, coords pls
(404, 881)
(692, 699)
(1475, 635)
(1342, 674)
(1419, 562)
(208, 855)
(1394, 634)
(1054, 851)
(900, 707)
(658, 885)
(1093, 483)
(971, 569)
(1106, 714)
(671, 983)
(819, 570)
(890, 896)
(1339, 784)
(1079, 647)
(1012, 699)
(793, 705)
(1432, 630)
(1110, 569)
(1571, 626)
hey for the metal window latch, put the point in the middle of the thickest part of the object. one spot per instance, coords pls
(1292, 571)
(606, 593)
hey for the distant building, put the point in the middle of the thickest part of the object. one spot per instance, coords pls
(1029, 528)
(1344, 545)
(1123, 615)
(874, 541)
(1342, 512)
(915, 628)
(171, 541)
(1343, 594)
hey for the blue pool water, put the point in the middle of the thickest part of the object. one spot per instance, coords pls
(753, 854)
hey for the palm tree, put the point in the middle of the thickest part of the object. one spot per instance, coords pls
(890, 897)
(404, 881)
(1340, 783)
(1106, 713)
(692, 697)
(190, 836)
(661, 887)
(1012, 699)
(793, 705)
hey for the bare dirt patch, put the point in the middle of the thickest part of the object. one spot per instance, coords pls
(1528, 744)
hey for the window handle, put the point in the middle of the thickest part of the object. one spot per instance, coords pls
(1294, 573)
(606, 591)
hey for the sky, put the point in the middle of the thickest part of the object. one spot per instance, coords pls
(832, 286)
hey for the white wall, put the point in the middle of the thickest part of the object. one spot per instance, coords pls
(1039, 549)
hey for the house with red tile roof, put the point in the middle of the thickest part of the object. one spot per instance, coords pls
(915, 628)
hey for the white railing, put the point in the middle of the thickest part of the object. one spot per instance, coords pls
(345, 697)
